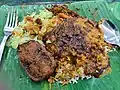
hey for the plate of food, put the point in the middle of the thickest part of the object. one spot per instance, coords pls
(60, 46)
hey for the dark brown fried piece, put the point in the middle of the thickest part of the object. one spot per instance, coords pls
(39, 22)
(37, 62)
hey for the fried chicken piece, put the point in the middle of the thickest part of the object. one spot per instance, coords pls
(37, 62)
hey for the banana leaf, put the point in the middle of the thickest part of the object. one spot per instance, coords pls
(13, 77)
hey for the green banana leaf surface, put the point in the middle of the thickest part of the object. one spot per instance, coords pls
(13, 77)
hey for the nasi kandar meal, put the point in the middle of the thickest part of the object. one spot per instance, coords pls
(59, 45)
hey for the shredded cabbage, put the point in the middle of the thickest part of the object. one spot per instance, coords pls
(14, 42)
(17, 40)
(20, 36)
(45, 14)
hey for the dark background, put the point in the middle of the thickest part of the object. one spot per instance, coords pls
(35, 1)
